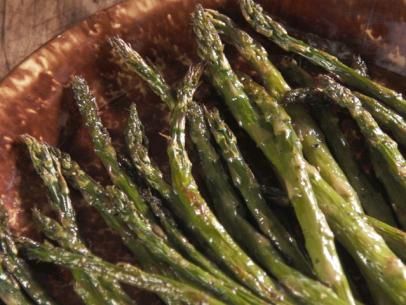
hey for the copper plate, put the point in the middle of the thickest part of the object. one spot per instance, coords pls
(35, 97)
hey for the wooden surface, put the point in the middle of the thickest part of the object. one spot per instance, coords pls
(26, 24)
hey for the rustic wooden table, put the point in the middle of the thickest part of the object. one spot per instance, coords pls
(26, 24)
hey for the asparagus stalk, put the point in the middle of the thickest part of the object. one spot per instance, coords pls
(395, 238)
(198, 217)
(106, 152)
(314, 146)
(133, 61)
(125, 273)
(372, 200)
(268, 27)
(252, 51)
(210, 228)
(142, 232)
(228, 209)
(316, 159)
(388, 162)
(273, 139)
(16, 272)
(317, 153)
(334, 47)
(229, 292)
(91, 289)
(20, 271)
(138, 147)
(96, 196)
(387, 118)
(10, 292)
(67, 235)
(103, 146)
(367, 247)
(245, 181)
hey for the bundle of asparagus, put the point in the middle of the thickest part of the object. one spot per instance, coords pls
(230, 246)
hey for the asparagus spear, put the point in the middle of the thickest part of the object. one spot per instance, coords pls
(187, 271)
(367, 247)
(124, 273)
(252, 51)
(102, 144)
(96, 196)
(372, 200)
(395, 238)
(138, 147)
(198, 217)
(10, 292)
(139, 234)
(317, 191)
(91, 289)
(184, 210)
(387, 118)
(67, 235)
(388, 162)
(244, 180)
(17, 268)
(334, 47)
(268, 27)
(134, 62)
(105, 151)
(169, 257)
(314, 146)
(20, 271)
(273, 140)
(228, 209)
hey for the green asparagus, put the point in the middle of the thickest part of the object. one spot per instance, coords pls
(67, 235)
(252, 51)
(395, 238)
(387, 118)
(313, 142)
(154, 243)
(268, 27)
(20, 271)
(188, 272)
(125, 273)
(367, 247)
(334, 47)
(244, 180)
(372, 200)
(389, 164)
(183, 210)
(103, 146)
(95, 195)
(317, 192)
(273, 139)
(228, 209)
(10, 292)
(138, 147)
(198, 217)
(134, 62)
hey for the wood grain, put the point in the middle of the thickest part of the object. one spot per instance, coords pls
(26, 24)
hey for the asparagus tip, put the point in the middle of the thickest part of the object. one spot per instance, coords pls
(209, 43)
